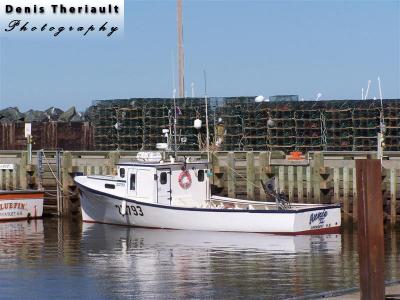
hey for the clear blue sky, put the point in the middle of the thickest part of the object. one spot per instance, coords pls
(247, 48)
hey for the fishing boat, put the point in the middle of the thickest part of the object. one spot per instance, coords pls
(156, 192)
(20, 204)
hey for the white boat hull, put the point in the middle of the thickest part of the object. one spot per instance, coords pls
(19, 205)
(105, 208)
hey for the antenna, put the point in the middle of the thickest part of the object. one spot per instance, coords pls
(362, 93)
(175, 143)
(207, 130)
(366, 93)
(380, 96)
(181, 54)
(173, 72)
(192, 87)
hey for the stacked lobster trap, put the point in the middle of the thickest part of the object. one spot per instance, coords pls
(242, 124)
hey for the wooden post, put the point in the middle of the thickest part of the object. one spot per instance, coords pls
(250, 175)
(336, 185)
(2, 180)
(263, 164)
(231, 175)
(300, 184)
(370, 229)
(65, 208)
(291, 183)
(8, 181)
(355, 197)
(393, 195)
(216, 170)
(113, 159)
(318, 164)
(346, 207)
(308, 183)
(281, 179)
(23, 171)
(14, 179)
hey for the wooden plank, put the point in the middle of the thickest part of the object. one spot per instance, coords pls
(336, 185)
(113, 159)
(23, 168)
(7, 179)
(231, 175)
(318, 164)
(346, 207)
(355, 196)
(263, 162)
(308, 185)
(217, 178)
(370, 229)
(66, 205)
(14, 178)
(393, 194)
(2, 179)
(281, 179)
(250, 175)
(300, 184)
(291, 183)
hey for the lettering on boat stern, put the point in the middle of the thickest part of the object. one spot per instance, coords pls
(16, 205)
(318, 217)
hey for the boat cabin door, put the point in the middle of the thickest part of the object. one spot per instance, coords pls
(131, 186)
(164, 186)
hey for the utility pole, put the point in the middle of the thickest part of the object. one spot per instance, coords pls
(181, 54)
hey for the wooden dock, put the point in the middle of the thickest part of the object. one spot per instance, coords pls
(321, 177)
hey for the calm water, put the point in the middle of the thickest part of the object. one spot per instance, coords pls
(53, 258)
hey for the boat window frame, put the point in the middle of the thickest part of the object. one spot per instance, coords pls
(163, 180)
(122, 172)
(201, 177)
(132, 175)
(109, 186)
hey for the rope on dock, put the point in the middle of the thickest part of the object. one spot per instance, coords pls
(57, 180)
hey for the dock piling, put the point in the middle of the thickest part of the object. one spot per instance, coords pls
(370, 229)
(231, 175)
(250, 175)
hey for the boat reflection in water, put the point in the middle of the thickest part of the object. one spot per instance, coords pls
(20, 239)
(152, 263)
(99, 236)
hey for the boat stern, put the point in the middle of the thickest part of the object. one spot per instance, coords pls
(318, 220)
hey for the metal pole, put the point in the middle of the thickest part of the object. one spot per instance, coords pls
(59, 188)
(175, 141)
(207, 129)
(39, 168)
(181, 59)
(29, 149)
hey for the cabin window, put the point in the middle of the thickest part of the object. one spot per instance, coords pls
(132, 184)
(122, 173)
(200, 175)
(109, 186)
(163, 178)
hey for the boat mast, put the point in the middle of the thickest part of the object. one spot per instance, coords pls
(181, 60)
(175, 142)
(207, 130)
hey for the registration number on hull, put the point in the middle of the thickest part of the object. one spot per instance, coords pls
(131, 210)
